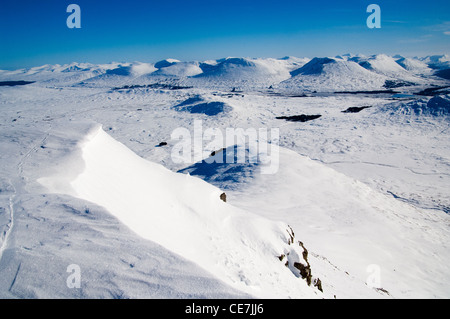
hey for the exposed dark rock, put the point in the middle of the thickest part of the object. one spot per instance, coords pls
(213, 153)
(305, 251)
(318, 284)
(162, 144)
(382, 290)
(299, 118)
(291, 234)
(303, 267)
(14, 83)
(389, 84)
(355, 109)
(305, 271)
(153, 86)
(223, 197)
(439, 90)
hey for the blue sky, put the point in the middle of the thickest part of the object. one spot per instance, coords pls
(34, 32)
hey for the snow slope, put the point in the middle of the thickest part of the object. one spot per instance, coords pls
(388, 210)
(437, 62)
(185, 215)
(61, 75)
(52, 232)
(290, 73)
(177, 68)
(242, 73)
(332, 211)
(123, 74)
(332, 75)
(387, 66)
(415, 66)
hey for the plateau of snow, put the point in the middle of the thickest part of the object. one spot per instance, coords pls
(359, 206)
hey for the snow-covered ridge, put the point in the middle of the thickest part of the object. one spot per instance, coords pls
(253, 253)
(331, 75)
(186, 215)
(343, 73)
(375, 193)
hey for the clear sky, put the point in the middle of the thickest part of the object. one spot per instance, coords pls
(34, 32)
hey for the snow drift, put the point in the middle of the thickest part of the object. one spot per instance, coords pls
(437, 107)
(198, 105)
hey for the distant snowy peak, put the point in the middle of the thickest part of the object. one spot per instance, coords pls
(387, 66)
(243, 73)
(133, 69)
(230, 67)
(166, 63)
(437, 106)
(347, 72)
(331, 75)
(315, 66)
(178, 69)
(380, 63)
(414, 66)
(438, 62)
(293, 63)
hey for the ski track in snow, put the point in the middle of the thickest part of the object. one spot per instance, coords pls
(10, 225)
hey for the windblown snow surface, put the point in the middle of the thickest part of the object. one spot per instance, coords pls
(356, 207)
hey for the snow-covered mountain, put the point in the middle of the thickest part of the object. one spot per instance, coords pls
(185, 215)
(331, 75)
(437, 62)
(387, 66)
(342, 73)
(242, 73)
(358, 206)
(415, 66)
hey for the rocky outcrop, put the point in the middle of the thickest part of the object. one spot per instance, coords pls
(299, 118)
(355, 109)
(299, 266)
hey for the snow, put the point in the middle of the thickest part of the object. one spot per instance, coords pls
(437, 106)
(332, 75)
(180, 69)
(166, 63)
(236, 246)
(85, 180)
(242, 72)
(387, 66)
(415, 66)
(310, 197)
(437, 61)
